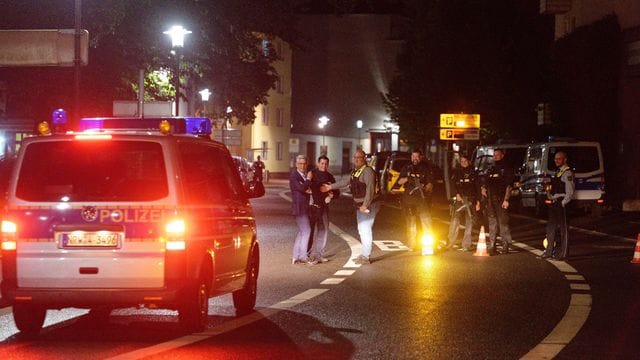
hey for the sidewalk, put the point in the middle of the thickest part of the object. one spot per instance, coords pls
(277, 183)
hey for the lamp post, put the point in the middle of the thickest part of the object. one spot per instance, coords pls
(177, 34)
(322, 123)
(204, 95)
(359, 126)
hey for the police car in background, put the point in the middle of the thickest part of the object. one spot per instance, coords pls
(127, 212)
(584, 157)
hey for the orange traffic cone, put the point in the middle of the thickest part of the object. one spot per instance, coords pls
(636, 253)
(481, 249)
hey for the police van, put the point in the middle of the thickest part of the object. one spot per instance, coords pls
(127, 212)
(584, 157)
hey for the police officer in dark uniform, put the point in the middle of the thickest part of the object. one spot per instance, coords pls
(496, 190)
(417, 179)
(560, 194)
(465, 186)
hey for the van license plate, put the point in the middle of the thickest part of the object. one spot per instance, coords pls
(90, 239)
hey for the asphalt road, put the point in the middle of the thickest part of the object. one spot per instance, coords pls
(451, 305)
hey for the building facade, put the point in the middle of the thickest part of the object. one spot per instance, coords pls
(604, 35)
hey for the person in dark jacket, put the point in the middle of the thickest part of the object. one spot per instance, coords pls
(258, 168)
(496, 189)
(466, 203)
(300, 196)
(417, 178)
(319, 210)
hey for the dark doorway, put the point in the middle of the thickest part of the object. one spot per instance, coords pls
(346, 158)
(311, 153)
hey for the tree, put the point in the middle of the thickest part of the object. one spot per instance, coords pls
(226, 51)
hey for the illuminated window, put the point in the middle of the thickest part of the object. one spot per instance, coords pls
(265, 115)
(279, 116)
(263, 150)
(279, 150)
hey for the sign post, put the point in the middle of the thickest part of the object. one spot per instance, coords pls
(457, 127)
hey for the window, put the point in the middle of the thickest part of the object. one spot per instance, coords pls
(264, 150)
(279, 150)
(279, 117)
(535, 159)
(265, 115)
(278, 85)
(208, 175)
(583, 159)
(93, 171)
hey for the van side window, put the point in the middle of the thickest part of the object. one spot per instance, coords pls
(203, 177)
(534, 160)
(232, 177)
(583, 159)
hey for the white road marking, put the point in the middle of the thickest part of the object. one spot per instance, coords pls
(561, 335)
(344, 272)
(390, 245)
(332, 281)
(355, 247)
(573, 319)
(574, 277)
(580, 286)
(581, 230)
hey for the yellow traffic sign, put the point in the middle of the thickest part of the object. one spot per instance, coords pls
(460, 121)
(459, 134)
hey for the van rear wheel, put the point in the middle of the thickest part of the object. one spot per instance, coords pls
(244, 300)
(29, 318)
(194, 311)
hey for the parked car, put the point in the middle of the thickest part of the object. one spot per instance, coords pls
(244, 169)
(110, 219)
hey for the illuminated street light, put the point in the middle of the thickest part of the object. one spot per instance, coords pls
(177, 34)
(322, 123)
(204, 95)
(359, 126)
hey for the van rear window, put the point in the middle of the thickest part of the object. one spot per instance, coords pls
(92, 171)
(583, 159)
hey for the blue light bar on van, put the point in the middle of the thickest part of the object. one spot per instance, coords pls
(179, 125)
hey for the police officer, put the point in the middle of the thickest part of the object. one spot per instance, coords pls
(417, 178)
(560, 194)
(496, 190)
(464, 182)
(258, 168)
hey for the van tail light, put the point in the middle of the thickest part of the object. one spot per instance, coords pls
(175, 230)
(600, 201)
(9, 230)
(92, 136)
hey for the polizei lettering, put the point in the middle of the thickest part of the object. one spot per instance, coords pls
(132, 215)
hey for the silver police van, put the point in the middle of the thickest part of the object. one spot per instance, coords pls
(127, 212)
(584, 157)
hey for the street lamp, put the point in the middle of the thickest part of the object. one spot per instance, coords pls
(177, 34)
(359, 126)
(322, 123)
(204, 95)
